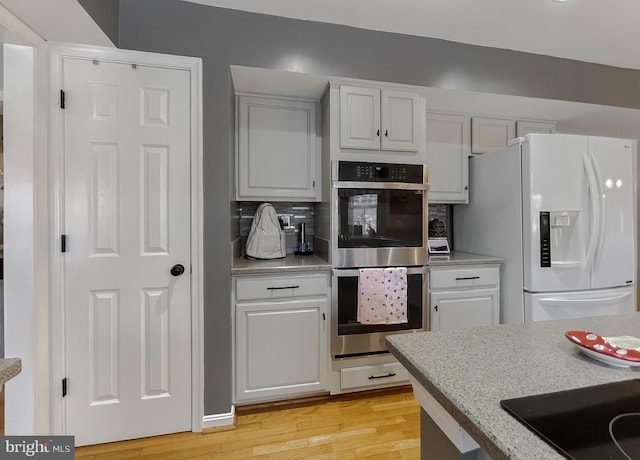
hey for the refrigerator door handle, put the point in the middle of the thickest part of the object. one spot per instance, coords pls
(555, 302)
(593, 210)
(601, 209)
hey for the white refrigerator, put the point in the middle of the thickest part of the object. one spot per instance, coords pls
(560, 210)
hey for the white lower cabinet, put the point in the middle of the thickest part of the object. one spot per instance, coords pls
(372, 375)
(464, 296)
(280, 337)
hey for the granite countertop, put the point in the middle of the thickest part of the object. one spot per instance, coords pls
(291, 263)
(9, 368)
(461, 258)
(468, 371)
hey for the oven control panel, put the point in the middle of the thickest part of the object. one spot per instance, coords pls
(380, 172)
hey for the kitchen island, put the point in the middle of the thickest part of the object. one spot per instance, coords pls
(469, 371)
(9, 368)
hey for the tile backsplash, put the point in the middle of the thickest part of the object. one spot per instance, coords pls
(295, 213)
(291, 214)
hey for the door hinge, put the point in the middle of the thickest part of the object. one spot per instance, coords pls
(64, 387)
(63, 243)
(62, 102)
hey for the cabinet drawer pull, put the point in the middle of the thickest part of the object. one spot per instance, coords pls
(467, 278)
(390, 374)
(282, 287)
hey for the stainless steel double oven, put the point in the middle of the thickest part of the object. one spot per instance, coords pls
(378, 215)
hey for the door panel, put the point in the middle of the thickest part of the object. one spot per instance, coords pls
(127, 214)
(456, 310)
(400, 120)
(614, 258)
(554, 171)
(359, 118)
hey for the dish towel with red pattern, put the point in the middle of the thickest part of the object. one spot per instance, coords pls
(382, 295)
(371, 296)
(396, 295)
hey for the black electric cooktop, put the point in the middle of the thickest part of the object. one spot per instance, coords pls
(600, 422)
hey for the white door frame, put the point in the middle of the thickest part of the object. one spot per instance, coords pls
(56, 168)
(26, 226)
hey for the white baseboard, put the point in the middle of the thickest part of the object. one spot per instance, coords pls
(210, 421)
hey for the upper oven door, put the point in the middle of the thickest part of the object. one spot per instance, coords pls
(379, 224)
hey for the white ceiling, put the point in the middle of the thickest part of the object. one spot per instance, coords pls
(51, 19)
(58, 21)
(600, 31)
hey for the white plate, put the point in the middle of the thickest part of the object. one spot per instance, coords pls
(621, 351)
(606, 359)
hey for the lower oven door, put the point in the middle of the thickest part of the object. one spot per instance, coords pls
(351, 338)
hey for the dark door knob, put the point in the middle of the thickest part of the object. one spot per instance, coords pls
(177, 270)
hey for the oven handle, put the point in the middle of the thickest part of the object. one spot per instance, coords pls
(381, 185)
(354, 272)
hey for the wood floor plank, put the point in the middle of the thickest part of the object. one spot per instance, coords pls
(411, 454)
(388, 448)
(380, 427)
(371, 440)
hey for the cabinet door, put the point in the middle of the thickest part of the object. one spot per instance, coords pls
(490, 133)
(359, 118)
(277, 149)
(448, 150)
(400, 120)
(280, 349)
(460, 309)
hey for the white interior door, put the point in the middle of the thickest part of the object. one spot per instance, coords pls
(127, 217)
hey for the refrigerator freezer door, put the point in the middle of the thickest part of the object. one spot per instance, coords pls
(557, 215)
(613, 263)
(542, 307)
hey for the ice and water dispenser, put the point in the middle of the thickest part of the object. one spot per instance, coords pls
(560, 239)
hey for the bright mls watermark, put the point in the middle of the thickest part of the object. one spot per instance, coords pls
(37, 447)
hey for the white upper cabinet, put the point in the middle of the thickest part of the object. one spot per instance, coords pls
(359, 118)
(375, 119)
(400, 120)
(490, 133)
(448, 150)
(278, 152)
(527, 127)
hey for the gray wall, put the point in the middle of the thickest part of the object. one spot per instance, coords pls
(106, 14)
(226, 37)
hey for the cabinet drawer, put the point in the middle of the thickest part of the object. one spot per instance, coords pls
(464, 277)
(366, 376)
(280, 287)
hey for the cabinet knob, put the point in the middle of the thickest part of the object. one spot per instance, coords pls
(378, 133)
(386, 133)
(466, 187)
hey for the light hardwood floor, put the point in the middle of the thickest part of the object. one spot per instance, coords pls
(375, 427)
